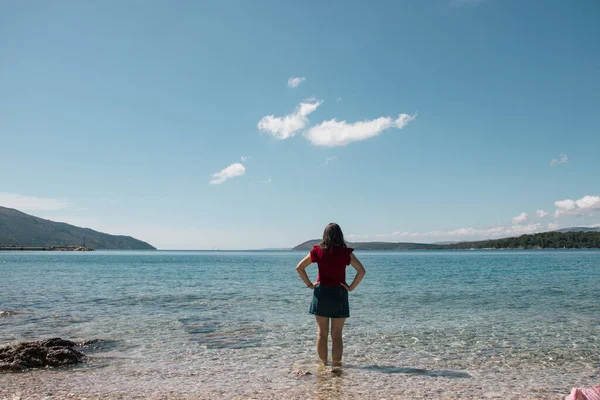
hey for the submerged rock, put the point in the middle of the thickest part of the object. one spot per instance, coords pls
(6, 313)
(54, 352)
(301, 373)
(9, 313)
(86, 343)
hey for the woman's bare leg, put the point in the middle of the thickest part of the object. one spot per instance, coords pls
(322, 333)
(337, 347)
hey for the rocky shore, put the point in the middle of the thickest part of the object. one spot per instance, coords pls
(54, 352)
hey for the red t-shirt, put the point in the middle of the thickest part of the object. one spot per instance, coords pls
(332, 264)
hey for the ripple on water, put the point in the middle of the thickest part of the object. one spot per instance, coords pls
(423, 325)
(220, 334)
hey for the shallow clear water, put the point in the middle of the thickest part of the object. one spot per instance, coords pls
(499, 324)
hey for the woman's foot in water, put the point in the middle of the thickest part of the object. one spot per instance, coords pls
(336, 368)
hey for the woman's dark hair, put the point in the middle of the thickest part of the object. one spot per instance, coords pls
(332, 237)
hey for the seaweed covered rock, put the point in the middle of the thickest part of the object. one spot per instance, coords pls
(54, 352)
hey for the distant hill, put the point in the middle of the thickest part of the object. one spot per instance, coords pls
(547, 240)
(18, 228)
(579, 229)
(306, 246)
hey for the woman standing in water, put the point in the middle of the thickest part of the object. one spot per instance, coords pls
(330, 296)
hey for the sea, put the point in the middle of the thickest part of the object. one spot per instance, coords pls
(235, 325)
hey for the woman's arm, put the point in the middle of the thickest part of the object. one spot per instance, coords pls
(301, 268)
(360, 272)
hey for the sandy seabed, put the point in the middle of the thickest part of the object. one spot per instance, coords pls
(321, 384)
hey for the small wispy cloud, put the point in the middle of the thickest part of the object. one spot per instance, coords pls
(268, 181)
(287, 126)
(231, 171)
(330, 160)
(32, 203)
(519, 219)
(295, 81)
(339, 133)
(541, 213)
(562, 159)
(245, 158)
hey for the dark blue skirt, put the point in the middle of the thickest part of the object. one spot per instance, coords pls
(330, 302)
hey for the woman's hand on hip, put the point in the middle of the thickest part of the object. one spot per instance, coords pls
(348, 288)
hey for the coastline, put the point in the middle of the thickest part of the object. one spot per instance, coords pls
(45, 248)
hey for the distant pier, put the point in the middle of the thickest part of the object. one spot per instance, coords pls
(44, 248)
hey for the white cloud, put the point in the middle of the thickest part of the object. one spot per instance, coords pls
(558, 213)
(519, 219)
(340, 133)
(494, 232)
(588, 203)
(231, 171)
(552, 226)
(400, 233)
(576, 207)
(565, 206)
(287, 126)
(295, 81)
(245, 158)
(541, 213)
(32, 203)
(268, 181)
(330, 160)
(584, 205)
(562, 159)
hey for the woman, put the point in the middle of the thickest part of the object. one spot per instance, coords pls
(330, 296)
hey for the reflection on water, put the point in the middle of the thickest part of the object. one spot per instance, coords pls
(329, 384)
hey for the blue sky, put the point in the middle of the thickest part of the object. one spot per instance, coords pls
(409, 120)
